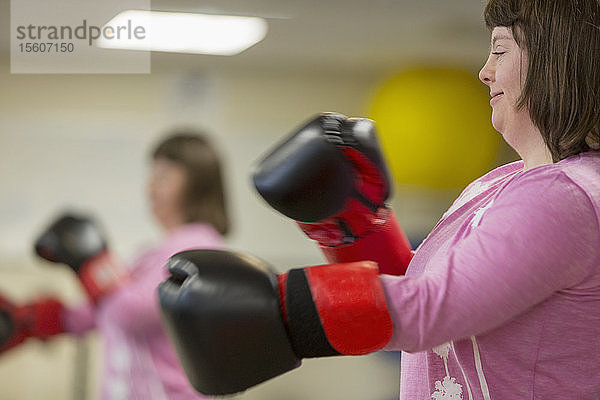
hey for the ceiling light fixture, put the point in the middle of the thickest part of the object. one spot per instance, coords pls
(182, 32)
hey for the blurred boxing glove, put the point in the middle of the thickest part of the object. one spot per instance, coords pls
(41, 320)
(330, 176)
(234, 323)
(77, 242)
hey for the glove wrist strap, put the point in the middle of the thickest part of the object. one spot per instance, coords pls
(336, 309)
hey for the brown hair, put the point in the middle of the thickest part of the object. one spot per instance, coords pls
(562, 87)
(204, 194)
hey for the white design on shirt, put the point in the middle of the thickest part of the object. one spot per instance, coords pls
(447, 389)
(155, 387)
(479, 214)
(442, 351)
(482, 381)
(120, 360)
(475, 189)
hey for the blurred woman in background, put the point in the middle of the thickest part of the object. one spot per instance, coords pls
(186, 195)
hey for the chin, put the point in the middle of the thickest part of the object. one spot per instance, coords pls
(497, 126)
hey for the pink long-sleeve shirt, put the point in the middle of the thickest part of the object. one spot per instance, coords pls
(139, 361)
(502, 300)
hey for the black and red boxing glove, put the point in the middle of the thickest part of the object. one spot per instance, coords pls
(330, 176)
(79, 243)
(41, 319)
(235, 323)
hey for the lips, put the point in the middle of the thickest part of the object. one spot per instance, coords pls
(495, 96)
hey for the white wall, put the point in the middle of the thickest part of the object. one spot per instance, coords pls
(82, 141)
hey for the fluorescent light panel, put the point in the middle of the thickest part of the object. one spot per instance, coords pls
(186, 32)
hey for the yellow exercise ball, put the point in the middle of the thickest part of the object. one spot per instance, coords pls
(435, 127)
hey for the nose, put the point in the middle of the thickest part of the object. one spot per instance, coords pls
(486, 75)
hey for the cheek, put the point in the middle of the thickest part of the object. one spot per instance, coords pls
(166, 193)
(175, 191)
(166, 188)
(515, 81)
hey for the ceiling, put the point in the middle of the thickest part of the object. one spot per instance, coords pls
(349, 36)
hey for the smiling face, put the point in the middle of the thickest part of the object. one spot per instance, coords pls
(504, 73)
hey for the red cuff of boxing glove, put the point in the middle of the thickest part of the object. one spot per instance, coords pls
(101, 275)
(41, 320)
(354, 222)
(386, 245)
(335, 309)
(46, 318)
